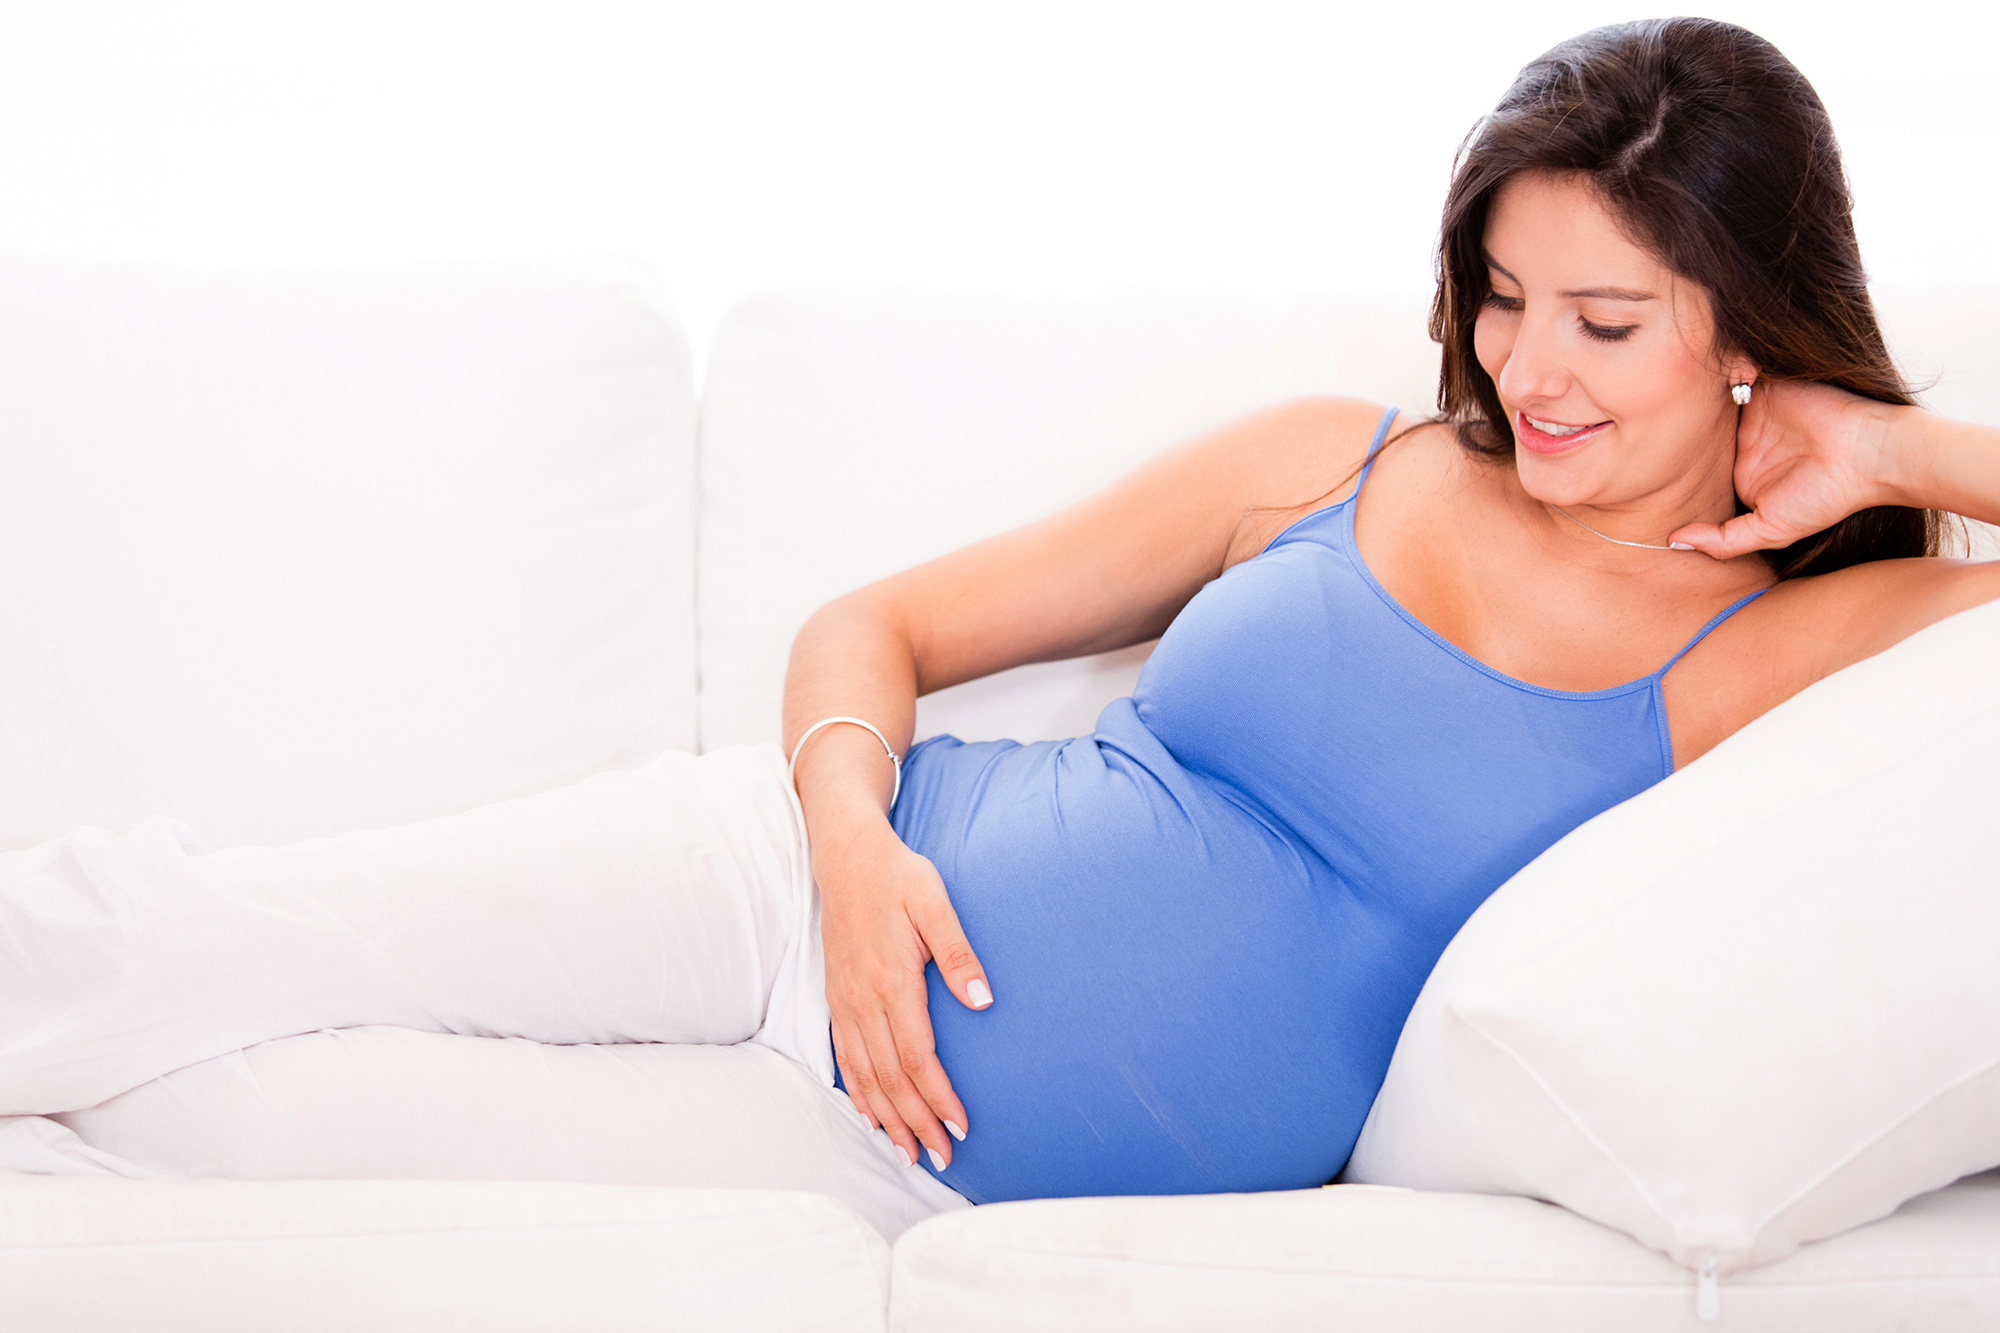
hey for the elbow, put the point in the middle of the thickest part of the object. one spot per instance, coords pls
(862, 610)
(860, 624)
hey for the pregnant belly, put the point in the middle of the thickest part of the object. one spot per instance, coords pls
(1183, 1002)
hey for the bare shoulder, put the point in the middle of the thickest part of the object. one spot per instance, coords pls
(1857, 612)
(1806, 629)
(1299, 457)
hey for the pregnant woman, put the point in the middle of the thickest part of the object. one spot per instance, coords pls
(1675, 479)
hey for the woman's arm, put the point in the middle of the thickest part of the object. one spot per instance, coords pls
(1811, 455)
(1111, 571)
(1933, 462)
(1808, 455)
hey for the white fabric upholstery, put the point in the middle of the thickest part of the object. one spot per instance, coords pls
(847, 434)
(1753, 1006)
(87, 1256)
(1398, 1261)
(1946, 343)
(295, 552)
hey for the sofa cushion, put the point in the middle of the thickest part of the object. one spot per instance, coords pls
(850, 433)
(1392, 1260)
(1753, 1006)
(80, 1256)
(296, 552)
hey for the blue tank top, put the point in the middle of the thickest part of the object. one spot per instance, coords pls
(1206, 922)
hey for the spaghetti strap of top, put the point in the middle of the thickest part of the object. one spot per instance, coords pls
(1711, 627)
(1375, 451)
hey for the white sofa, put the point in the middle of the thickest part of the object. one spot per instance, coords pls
(298, 552)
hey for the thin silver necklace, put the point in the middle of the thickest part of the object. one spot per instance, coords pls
(1615, 541)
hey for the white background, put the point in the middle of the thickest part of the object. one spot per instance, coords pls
(1247, 145)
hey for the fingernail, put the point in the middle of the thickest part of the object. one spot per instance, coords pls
(981, 997)
(1679, 546)
(937, 1158)
(909, 1159)
(956, 1132)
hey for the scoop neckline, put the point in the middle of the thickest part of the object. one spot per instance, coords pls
(1388, 599)
(1352, 505)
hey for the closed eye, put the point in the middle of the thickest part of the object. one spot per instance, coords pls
(1604, 333)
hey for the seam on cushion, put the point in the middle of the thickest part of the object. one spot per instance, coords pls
(1778, 1210)
(698, 478)
(473, 1229)
(1576, 1122)
(906, 1303)
(869, 1239)
(1676, 1281)
(1757, 1230)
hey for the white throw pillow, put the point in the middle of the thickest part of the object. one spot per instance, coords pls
(1758, 1004)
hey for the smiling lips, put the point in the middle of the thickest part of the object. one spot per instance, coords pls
(1553, 437)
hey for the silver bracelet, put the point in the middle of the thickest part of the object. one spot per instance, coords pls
(894, 758)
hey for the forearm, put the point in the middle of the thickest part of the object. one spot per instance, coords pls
(887, 914)
(850, 660)
(1934, 462)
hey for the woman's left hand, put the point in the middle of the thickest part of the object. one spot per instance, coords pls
(1807, 456)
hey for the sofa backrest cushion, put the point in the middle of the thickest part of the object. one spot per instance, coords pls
(294, 552)
(850, 433)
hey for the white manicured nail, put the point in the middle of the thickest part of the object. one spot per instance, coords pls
(956, 1132)
(981, 997)
(908, 1160)
(937, 1158)
(1679, 546)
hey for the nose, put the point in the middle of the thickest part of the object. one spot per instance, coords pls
(1534, 367)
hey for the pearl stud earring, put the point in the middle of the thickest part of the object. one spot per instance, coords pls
(1741, 393)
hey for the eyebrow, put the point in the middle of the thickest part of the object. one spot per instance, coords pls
(1599, 293)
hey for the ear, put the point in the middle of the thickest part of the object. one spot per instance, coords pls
(1739, 369)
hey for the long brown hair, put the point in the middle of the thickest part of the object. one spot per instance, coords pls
(1717, 154)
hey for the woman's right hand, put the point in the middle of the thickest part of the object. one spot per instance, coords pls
(884, 915)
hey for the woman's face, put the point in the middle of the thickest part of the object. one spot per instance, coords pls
(1603, 357)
